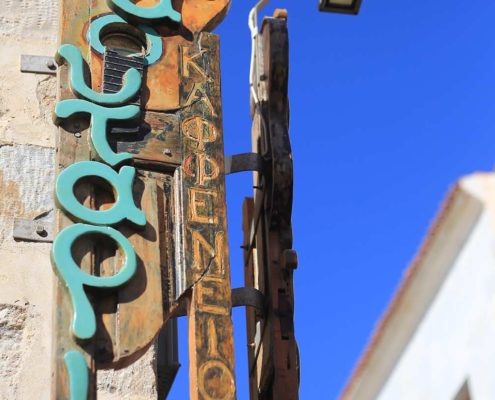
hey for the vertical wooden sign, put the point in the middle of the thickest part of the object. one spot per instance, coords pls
(211, 347)
(145, 171)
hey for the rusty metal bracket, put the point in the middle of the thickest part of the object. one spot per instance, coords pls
(245, 296)
(37, 230)
(249, 297)
(243, 162)
(38, 64)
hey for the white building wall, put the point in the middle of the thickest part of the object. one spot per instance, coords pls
(455, 341)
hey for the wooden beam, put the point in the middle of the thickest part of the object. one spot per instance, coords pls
(211, 347)
(269, 258)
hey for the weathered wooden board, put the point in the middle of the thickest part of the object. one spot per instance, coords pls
(131, 318)
(207, 273)
(70, 149)
(157, 145)
(253, 324)
(269, 258)
(161, 91)
(182, 252)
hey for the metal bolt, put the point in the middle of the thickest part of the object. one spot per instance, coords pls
(289, 259)
(167, 152)
(77, 134)
(51, 65)
(40, 229)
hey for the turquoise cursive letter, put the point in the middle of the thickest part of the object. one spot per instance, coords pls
(78, 375)
(84, 320)
(122, 181)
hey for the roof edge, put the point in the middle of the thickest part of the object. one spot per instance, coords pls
(459, 199)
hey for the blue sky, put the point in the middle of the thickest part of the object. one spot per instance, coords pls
(388, 110)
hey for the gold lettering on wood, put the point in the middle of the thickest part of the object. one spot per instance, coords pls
(202, 167)
(200, 130)
(198, 94)
(189, 62)
(216, 381)
(205, 254)
(208, 292)
(201, 204)
(210, 326)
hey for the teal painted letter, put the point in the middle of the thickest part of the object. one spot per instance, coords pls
(132, 79)
(158, 12)
(84, 320)
(78, 375)
(122, 182)
(99, 121)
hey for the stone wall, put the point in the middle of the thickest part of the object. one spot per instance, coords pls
(27, 140)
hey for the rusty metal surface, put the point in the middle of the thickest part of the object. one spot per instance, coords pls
(248, 297)
(243, 162)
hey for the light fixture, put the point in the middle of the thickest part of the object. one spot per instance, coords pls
(340, 6)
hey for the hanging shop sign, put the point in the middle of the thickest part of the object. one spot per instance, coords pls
(147, 78)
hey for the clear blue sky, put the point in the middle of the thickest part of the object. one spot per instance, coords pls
(388, 110)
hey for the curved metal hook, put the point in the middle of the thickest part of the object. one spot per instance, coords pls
(253, 27)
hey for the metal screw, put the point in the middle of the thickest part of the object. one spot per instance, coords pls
(40, 229)
(167, 152)
(77, 134)
(51, 65)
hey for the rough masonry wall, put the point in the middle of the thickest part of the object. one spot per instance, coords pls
(26, 176)
(27, 139)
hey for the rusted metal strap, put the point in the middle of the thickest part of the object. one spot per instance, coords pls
(38, 64)
(243, 162)
(241, 297)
